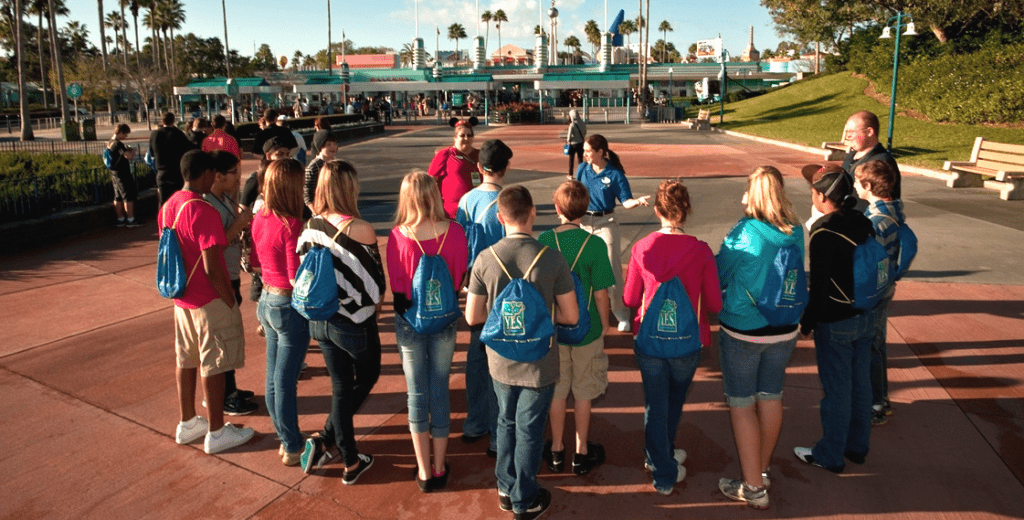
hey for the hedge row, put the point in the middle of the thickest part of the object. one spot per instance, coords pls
(24, 164)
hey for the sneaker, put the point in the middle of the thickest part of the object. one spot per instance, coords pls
(878, 417)
(365, 461)
(244, 394)
(540, 504)
(191, 430)
(491, 453)
(504, 501)
(226, 438)
(121, 222)
(804, 454)
(471, 439)
(438, 481)
(679, 454)
(555, 459)
(582, 464)
(238, 406)
(738, 490)
(133, 223)
(624, 326)
(312, 454)
(291, 459)
(854, 457)
(681, 474)
(766, 479)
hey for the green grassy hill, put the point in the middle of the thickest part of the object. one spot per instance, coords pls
(814, 110)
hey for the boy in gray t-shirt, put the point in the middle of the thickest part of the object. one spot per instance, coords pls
(524, 390)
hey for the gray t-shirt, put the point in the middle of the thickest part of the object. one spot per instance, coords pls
(233, 252)
(551, 277)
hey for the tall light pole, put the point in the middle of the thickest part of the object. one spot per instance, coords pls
(886, 34)
(227, 52)
(671, 88)
(330, 66)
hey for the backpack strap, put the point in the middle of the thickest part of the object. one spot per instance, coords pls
(578, 253)
(175, 224)
(480, 217)
(836, 233)
(528, 269)
(412, 234)
(846, 299)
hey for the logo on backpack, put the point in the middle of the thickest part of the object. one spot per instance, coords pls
(513, 322)
(667, 322)
(433, 296)
(789, 285)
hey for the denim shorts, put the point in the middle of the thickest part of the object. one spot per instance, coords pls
(753, 371)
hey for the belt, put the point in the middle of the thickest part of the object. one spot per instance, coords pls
(278, 291)
(600, 213)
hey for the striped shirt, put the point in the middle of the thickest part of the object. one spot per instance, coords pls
(357, 268)
(886, 217)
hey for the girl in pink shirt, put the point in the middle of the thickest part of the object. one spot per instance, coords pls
(275, 232)
(422, 228)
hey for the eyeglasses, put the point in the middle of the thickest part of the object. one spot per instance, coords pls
(853, 131)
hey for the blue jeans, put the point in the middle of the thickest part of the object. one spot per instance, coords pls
(287, 342)
(753, 371)
(352, 356)
(843, 349)
(666, 382)
(481, 403)
(427, 363)
(522, 414)
(879, 353)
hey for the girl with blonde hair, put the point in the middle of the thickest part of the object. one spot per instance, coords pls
(754, 353)
(275, 232)
(349, 340)
(421, 228)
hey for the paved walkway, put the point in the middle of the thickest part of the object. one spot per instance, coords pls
(89, 402)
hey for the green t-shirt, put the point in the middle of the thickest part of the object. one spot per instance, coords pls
(593, 268)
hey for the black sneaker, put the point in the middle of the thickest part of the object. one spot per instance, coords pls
(238, 406)
(804, 454)
(854, 457)
(439, 482)
(132, 223)
(492, 454)
(315, 455)
(504, 502)
(540, 504)
(582, 464)
(244, 394)
(470, 439)
(365, 461)
(555, 459)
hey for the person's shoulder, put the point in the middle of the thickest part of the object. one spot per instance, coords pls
(362, 231)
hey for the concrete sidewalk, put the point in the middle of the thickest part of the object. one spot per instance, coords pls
(86, 371)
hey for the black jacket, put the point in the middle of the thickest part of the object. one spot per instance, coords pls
(832, 266)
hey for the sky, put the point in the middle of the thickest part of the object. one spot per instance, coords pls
(392, 23)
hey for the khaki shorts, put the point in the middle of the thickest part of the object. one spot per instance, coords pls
(582, 369)
(209, 338)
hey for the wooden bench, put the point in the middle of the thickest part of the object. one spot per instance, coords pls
(703, 121)
(834, 150)
(1001, 161)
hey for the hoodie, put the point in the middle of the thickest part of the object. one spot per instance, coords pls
(832, 267)
(744, 259)
(659, 257)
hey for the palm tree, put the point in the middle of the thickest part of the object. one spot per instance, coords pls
(103, 37)
(133, 6)
(593, 33)
(499, 16)
(296, 59)
(455, 32)
(19, 36)
(174, 17)
(627, 28)
(124, 33)
(150, 20)
(115, 22)
(573, 43)
(53, 8)
(39, 7)
(665, 28)
(486, 18)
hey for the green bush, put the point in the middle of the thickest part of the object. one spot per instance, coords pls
(25, 164)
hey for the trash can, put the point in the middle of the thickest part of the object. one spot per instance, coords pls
(69, 130)
(89, 129)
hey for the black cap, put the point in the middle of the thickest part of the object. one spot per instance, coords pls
(270, 144)
(494, 155)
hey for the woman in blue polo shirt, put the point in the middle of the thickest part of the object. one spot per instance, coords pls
(603, 175)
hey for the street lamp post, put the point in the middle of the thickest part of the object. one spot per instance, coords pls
(886, 34)
(671, 88)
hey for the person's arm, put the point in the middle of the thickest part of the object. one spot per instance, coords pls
(639, 201)
(603, 302)
(476, 308)
(711, 291)
(633, 288)
(567, 312)
(217, 275)
(242, 220)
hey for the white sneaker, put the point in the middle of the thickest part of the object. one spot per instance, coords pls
(679, 455)
(226, 438)
(681, 475)
(191, 430)
(624, 326)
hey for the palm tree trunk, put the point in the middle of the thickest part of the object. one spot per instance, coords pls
(26, 122)
(174, 65)
(138, 50)
(42, 59)
(103, 51)
(58, 63)
(124, 37)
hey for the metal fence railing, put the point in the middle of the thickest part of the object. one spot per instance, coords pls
(76, 147)
(28, 197)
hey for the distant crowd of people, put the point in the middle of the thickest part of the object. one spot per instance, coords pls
(538, 308)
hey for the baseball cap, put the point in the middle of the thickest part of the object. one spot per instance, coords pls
(494, 155)
(272, 143)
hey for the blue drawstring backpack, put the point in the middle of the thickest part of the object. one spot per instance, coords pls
(784, 295)
(434, 302)
(908, 247)
(108, 158)
(669, 327)
(315, 295)
(171, 279)
(872, 272)
(574, 334)
(519, 326)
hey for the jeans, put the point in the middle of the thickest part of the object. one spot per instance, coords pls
(666, 382)
(575, 152)
(522, 414)
(352, 355)
(752, 371)
(287, 342)
(843, 349)
(481, 403)
(427, 363)
(607, 228)
(879, 353)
